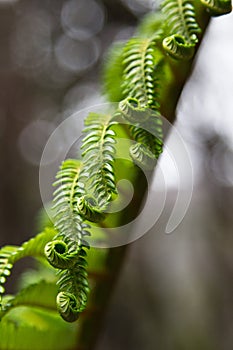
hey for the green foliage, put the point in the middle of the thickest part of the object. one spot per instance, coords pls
(143, 67)
(66, 251)
(140, 61)
(30, 327)
(97, 176)
(149, 144)
(218, 7)
(182, 27)
(73, 289)
(180, 19)
(58, 254)
(40, 294)
(9, 255)
(133, 77)
(67, 220)
(113, 72)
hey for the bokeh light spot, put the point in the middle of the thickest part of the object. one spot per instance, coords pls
(81, 19)
(75, 55)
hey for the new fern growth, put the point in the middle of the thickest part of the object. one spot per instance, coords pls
(143, 65)
(67, 251)
(182, 28)
(97, 177)
(134, 78)
(218, 7)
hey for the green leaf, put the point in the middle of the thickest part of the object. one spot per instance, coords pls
(27, 328)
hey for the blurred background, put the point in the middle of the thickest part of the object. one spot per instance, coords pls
(175, 291)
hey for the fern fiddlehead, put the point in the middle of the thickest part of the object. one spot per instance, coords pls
(73, 289)
(83, 193)
(217, 7)
(57, 254)
(143, 61)
(132, 111)
(182, 27)
(149, 144)
(67, 250)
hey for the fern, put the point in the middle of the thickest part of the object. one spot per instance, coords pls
(149, 140)
(182, 27)
(58, 256)
(66, 251)
(6, 265)
(143, 67)
(9, 255)
(218, 7)
(83, 191)
(97, 177)
(67, 220)
(140, 62)
(85, 188)
(73, 289)
(132, 111)
(31, 327)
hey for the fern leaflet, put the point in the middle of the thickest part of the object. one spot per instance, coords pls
(182, 28)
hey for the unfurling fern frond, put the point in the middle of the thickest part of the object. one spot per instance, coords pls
(58, 256)
(143, 69)
(149, 144)
(182, 28)
(141, 60)
(89, 209)
(142, 156)
(177, 47)
(66, 251)
(9, 255)
(97, 176)
(73, 289)
(218, 7)
(132, 111)
(67, 219)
